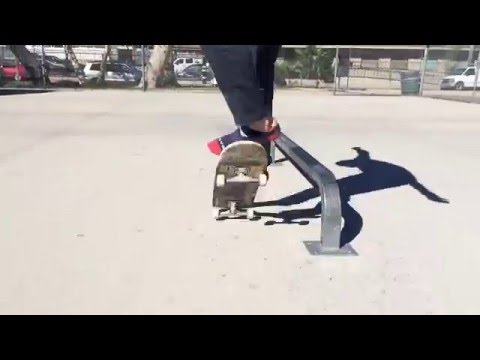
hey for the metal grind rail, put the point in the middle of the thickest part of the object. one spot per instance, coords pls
(326, 183)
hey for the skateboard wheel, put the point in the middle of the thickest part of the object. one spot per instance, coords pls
(216, 213)
(220, 180)
(262, 179)
(250, 214)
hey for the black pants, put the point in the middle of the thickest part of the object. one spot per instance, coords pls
(245, 75)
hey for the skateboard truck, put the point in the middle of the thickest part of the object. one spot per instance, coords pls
(233, 212)
(221, 179)
(241, 170)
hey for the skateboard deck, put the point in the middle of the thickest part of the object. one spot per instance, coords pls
(241, 169)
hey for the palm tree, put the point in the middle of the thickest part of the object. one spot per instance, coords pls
(315, 63)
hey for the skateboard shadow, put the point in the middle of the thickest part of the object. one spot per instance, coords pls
(375, 175)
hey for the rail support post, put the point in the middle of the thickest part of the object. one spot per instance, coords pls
(325, 182)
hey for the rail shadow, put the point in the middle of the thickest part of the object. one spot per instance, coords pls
(375, 175)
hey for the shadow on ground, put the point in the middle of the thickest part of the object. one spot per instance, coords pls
(375, 175)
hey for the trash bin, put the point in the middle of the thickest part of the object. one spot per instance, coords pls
(410, 82)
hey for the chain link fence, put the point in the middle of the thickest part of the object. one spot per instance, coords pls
(442, 71)
(454, 72)
(367, 70)
(81, 66)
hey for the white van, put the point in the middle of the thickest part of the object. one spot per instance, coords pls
(462, 78)
(182, 63)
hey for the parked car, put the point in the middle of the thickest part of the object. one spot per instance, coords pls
(461, 79)
(61, 70)
(116, 72)
(181, 63)
(65, 77)
(53, 62)
(132, 64)
(15, 72)
(196, 73)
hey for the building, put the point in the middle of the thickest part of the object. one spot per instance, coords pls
(396, 52)
(84, 53)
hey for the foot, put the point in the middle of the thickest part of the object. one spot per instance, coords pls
(245, 133)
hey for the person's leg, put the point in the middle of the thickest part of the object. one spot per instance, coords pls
(266, 57)
(265, 64)
(236, 71)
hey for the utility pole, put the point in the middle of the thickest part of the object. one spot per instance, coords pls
(144, 81)
(470, 55)
(335, 72)
(477, 70)
(44, 72)
(424, 69)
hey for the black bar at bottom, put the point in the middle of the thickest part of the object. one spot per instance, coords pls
(324, 180)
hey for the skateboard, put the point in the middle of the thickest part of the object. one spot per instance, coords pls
(241, 169)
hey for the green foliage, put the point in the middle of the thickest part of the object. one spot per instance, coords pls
(315, 63)
(452, 57)
(280, 74)
(286, 70)
(310, 63)
(325, 60)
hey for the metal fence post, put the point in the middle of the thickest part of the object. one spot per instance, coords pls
(144, 82)
(44, 73)
(477, 69)
(348, 67)
(335, 73)
(424, 68)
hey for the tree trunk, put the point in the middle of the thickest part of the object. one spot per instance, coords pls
(17, 71)
(103, 65)
(71, 56)
(157, 64)
(28, 60)
(470, 55)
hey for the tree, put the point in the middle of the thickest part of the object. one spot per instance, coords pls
(28, 60)
(103, 65)
(315, 63)
(157, 65)
(453, 57)
(70, 54)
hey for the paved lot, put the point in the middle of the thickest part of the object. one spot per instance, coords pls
(105, 203)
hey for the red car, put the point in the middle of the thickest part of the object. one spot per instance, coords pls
(10, 72)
